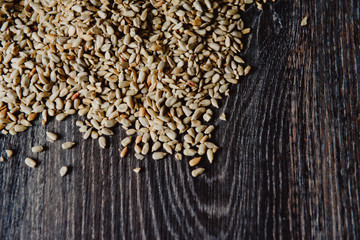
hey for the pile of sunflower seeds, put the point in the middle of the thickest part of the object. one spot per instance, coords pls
(155, 67)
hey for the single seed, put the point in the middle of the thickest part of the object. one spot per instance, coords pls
(2, 159)
(194, 161)
(145, 149)
(67, 145)
(137, 148)
(123, 152)
(51, 136)
(304, 22)
(19, 128)
(155, 146)
(223, 117)
(126, 141)
(30, 162)
(138, 156)
(178, 156)
(9, 153)
(189, 152)
(158, 155)
(102, 142)
(63, 171)
(210, 155)
(137, 170)
(37, 149)
(197, 172)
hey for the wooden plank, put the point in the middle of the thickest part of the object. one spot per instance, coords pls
(288, 167)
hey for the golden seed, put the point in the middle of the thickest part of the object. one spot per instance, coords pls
(9, 153)
(63, 171)
(197, 172)
(137, 170)
(30, 162)
(194, 161)
(37, 149)
(67, 145)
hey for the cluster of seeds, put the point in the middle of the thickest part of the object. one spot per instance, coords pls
(51, 137)
(153, 66)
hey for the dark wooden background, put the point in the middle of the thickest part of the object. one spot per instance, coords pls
(288, 168)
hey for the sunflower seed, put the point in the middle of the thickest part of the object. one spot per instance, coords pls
(194, 161)
(158, 155)
(67, 145)
(9, 153)
(37, 149)
(123, 152)
(197, 172)
(30, 162)
(63, 171)
(102, 142)
(304, 22)
(189, 152)
(210, 155)
(51, 136)
(126, 141)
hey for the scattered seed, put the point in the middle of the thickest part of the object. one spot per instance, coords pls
(68, 145)
(30, 162)
(178, 156)
(304, 22)
(102, 142)
(137, 170)
(51, 136)
(123, 152)
(37, 149)
(194, 161)
(63, 171)
(126, 141)
(189, 152)
(158, 155)
(223, 117)
(2, 159)
(210, 155)
(197, 172)
(9, 153)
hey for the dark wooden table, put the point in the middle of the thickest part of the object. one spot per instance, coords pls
(288, 168)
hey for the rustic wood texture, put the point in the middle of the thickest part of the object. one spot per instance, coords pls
(288, 168)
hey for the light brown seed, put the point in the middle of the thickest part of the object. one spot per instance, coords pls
(20, 128)
(126, 141)
(67, 145)
(51, 136)
(158, 155)
(30, 162)
(197, 172)
(194, 161)
(145, 149)
(304, 21)
(189, 152)
(9, 153)
(102, 142)
(63, 171)
(210, 155)
(178, 156)
(223, 117)
(37, 149)
(123, 152)
(137, 170)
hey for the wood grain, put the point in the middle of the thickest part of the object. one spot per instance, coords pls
(288, 168)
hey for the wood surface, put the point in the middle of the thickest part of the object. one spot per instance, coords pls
(288, 168)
